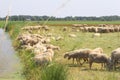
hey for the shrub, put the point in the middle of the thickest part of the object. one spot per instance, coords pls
(54, 72)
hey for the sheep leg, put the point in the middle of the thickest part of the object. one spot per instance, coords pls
(114, 65)
(78, 61)
(90, 64)
(85, 60)
(73, 60)
(102, 64)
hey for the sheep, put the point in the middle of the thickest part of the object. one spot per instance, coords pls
(59, 38)
(40, 60)
(115, 57)
(28, 47)
(65, 28)
(31, 27)
(73, 56)
(83, 54)
(70, 55)
(98, 58)
(39, 48)
(50, 46)
(66, 55)
(98, 50)
(46, 28)
(44, 58)
(78, 55)
(96, 35)
(78, 25)
(72, 35)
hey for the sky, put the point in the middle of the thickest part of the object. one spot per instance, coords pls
(60, 8)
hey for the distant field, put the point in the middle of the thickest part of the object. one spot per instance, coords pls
(69, 23)
(108, 41)
(61, 23)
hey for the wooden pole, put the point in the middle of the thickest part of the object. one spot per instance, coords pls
(6, 20)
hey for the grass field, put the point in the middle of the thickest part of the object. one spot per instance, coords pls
(59, 23)
(108, 41)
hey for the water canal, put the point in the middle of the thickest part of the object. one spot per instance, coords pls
(9, 62)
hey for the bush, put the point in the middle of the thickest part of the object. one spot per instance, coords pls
(54, 72)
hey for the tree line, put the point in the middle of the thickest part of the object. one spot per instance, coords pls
(68, 18)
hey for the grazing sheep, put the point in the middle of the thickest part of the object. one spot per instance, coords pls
(58, 38)
(98, 50)
(73, 56)
(46, 28)
(27, 47)
(44, 58)
(78, 55)
(96, 35)
(39, 48)
(98, 58)
(50, 46)
(83, 54)
(40, 60)
(115, 57)
(65, 29)
(31, 28)
(49, 35)
(70, 55)
(66, 55)
(72, 35)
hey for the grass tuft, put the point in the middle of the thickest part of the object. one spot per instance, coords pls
(54, 72)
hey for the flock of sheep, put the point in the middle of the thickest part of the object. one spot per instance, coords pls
(44, 51)
(95, 56)
(101, 28)
(39, 45)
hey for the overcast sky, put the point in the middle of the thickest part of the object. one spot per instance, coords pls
(60, 8)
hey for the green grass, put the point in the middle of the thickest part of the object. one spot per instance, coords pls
(69, 23)
(108, 41)
(59, 23)
(54, 72)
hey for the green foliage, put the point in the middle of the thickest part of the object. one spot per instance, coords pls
(30, 70)
(54, 72)
(2, 24)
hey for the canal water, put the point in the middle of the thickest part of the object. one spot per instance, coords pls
(9, 62)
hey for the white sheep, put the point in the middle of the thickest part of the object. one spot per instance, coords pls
(44, 58)
(98, 50)
(96, 35)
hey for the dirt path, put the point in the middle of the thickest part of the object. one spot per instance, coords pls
(9, 64)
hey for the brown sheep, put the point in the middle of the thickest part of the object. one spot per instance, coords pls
(98, 58)
(65, 29)
(115, 57)
(78, 55)
(70, 55)
(83, 54)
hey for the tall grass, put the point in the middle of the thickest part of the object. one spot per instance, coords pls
(54, 72)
